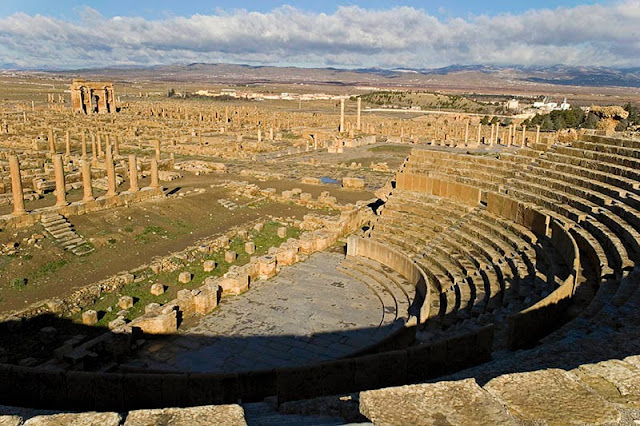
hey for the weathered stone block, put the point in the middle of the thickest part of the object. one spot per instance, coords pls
(266, 266)
(157, 289)
(353, 183)
(125, 302)
(250, 247)
(89, 317)
(230, 256)
(184, 277)
(234, 283)
(206, 299)
(209, 265)
(282, 232)
(157, 324)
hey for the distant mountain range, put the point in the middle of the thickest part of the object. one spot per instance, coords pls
(461, 76)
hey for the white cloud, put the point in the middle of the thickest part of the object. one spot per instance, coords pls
(351, 36)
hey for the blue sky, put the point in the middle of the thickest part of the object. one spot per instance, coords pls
(157, 9)
(67, 34)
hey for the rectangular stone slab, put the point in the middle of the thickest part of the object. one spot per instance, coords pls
(460, 402)
(551, 396)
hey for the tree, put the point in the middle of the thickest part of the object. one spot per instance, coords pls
(171, 92)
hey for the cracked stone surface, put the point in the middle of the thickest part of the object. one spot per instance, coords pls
(308, 313)
(227, 415)
(551, 396)
(459, 402)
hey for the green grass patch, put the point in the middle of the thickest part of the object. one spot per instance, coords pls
(18, 283)
(150, 232)
(49, 268)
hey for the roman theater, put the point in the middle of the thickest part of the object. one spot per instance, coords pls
(173, 259)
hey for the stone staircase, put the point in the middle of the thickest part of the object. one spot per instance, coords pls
(63, 233)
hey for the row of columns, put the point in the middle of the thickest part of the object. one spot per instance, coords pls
(358, 120)
(96, 144)
(61, 192)
(494, 138)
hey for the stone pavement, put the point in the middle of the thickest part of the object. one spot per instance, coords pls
(308, 313)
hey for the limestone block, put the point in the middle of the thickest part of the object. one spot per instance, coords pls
(152, 308)
(305, 196)
(457, 402)
(184, 277)
(209, 265)
(266, 266)
(250, 247)
(6, 420)
(551, 396)
(76, 419)
(323, 239)
(258, 227)
(228, 415)
(186, 302)
(230, 256)
(353, 183)
(117, 323)
(157, 289)
(89, 317)
(296, 191)
(243, 234)
(311, 180)
(157, 324)
(282, 232)
(287, 254)
(125, 302)
(287, 195)
(307, 244)
(234, 283)
(206, 299)
(127, 278)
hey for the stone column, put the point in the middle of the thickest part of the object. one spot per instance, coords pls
(86, 181)
(524, 135)
(94, 156)
(492, 134)
(61, 191)
(538, 133)
(133, 173)
(67, 145)
(16, 186)
(359, 110)
(259, 135)
(111, 174)
(479, 133)
(84, 145)
(52, 142)
(157, 144)
(271, 133)
(155, 183)
(99, 143)
(509, 137)
(341, 129)
(466, 134)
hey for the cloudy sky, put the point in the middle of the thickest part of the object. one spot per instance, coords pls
(65, 34)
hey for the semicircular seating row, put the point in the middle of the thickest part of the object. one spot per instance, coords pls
(525, 239)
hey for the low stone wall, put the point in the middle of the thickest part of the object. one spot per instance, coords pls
(365, 247)
(442, 188)
(34, 387)
(11, 221)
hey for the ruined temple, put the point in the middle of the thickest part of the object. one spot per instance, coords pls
(92, 97)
